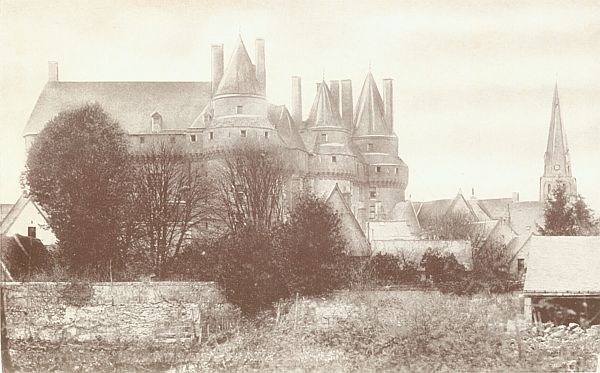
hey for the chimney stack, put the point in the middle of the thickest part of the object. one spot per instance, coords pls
(515, 197)
(297, 99)
(347, 104)
(388, 102)
(334, 87)
(261, 75)
(52, 71)
(217, 65)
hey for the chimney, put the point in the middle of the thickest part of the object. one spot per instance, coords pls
(515, 197)
(297, 99)
(52, 71)
(260, 65)
(388, 102)
(334, 87)
(217, 65)
(347, 104)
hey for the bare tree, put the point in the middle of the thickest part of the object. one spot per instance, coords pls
(451, 226)
(251, 185)
(172, 199)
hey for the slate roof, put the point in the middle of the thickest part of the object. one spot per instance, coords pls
(13, 214)
(405, 211)
(496, 208)
(130, 103)
(558, 264)
(370, 114)
(525, 215)
(557, 146)
(414, 250)
(351, 229)
(4, 209)
(240, 75)
(322, 112)
(280, 117)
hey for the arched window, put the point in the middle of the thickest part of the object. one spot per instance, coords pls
(156, 120)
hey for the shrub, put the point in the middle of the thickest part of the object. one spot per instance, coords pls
(442, 267)
(26, 257)
(387, 269)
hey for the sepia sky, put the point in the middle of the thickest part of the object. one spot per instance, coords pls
(473, 80)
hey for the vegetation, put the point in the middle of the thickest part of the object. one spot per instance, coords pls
(565, 215)
(24, 257)
(389, 331)
(77, 171)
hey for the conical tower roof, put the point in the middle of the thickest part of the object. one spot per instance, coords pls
(323, 113)
(370, 113)
(557, 149)
(240, 75)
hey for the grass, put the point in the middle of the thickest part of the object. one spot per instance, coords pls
(349, 331)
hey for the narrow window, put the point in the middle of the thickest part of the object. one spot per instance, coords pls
(373, 193)
(238, 109)
(548, 188)
(333, 159)
(378, 169)
(243, 133)
(266, 135)
(370, 147)
(142, 139)
(156, 121)
(324, 137)
(520, 265)
(396, 170)
(372, 212)
(211, 135)
(193, 138)
(31, 232)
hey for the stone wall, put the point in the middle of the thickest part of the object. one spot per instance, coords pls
(130, 311)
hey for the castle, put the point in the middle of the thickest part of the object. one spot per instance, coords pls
(343, 150)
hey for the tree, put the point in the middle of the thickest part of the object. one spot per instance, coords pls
(309, 248)
(77, 171)
(172, 198)
(250, 183)
(451, 226)
(565, 216)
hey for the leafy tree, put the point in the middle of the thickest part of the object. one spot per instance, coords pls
(442, 267)
(171, 199)
(250, 183)
(77, 171)
(565, 216)
(25, 256)
(309, 247)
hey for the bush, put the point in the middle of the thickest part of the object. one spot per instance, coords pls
(385, 269)
(25, 258)
(442, 267)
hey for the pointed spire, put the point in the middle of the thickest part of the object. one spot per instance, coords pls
(240, 74)
(557, 147)
(323, 112)
(370, 113)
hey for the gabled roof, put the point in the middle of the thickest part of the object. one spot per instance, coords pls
(129, 103)
(526, 216)
(351, 228)
(322, 112)
(563, 265)
(240, 75)
(4, 209)
(370, 113)
(14, 213)
(496, 208)
(281, 119)
(405, 211)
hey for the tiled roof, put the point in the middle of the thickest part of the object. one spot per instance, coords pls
(370, 113)
(129, 103)
(405, 211)
(433, 209)
(525, 216)
(240, 75)
(496, 208)
(558, 264)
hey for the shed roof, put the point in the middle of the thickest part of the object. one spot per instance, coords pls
(559, 265)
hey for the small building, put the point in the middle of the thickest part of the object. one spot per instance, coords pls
(562, 283)
(26, 218)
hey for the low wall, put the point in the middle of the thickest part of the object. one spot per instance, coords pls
(127, 311)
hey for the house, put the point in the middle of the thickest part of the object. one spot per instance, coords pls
(562, 283)
(26, 218)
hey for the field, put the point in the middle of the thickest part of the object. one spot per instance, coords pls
(352, 331)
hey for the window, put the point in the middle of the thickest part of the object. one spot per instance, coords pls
(238, 109)
(324, 137)
(549, 188)
(373, 193)
(370, 147)
(156, 120)
(372, 212)
(193, 138)
(266, 135)
(243, 133)
(31, 232)
(333, 159)
(211, 135)
(378, 169)
(396, 170)
(520, 265)
(142, 139)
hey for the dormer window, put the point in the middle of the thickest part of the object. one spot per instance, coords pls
(156, 120)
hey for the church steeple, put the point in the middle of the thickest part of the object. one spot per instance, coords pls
(557, 163)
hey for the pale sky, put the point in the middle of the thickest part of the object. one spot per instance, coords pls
(473, 80)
